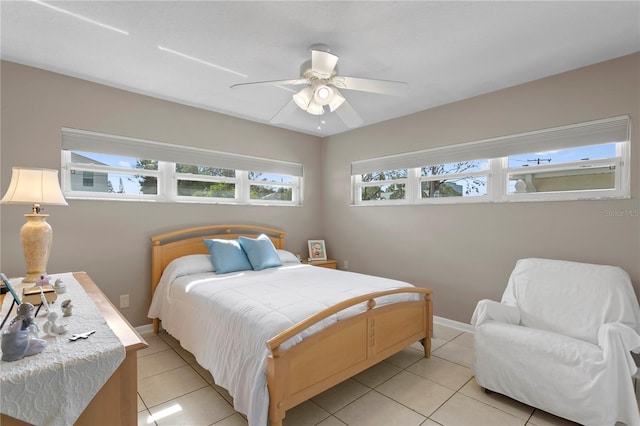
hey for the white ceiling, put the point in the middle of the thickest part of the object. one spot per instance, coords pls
(446, 51)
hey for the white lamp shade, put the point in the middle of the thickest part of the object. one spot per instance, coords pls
(303, 97)
(34, 186)
(315, 109)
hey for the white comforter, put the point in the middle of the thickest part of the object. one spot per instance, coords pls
(226, 320)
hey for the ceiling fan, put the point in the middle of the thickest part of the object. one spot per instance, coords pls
(320, 77)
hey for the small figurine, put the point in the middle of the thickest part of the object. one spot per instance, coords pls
(51, 328)
(18, 340)
(25, 317)
(59, 286)
(66, 308)
(43, 280)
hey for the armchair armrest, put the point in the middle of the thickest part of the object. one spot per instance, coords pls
(617, 341)
(490, 310)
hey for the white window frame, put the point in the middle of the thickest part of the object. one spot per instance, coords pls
(166, 175)
(408, 182)
(610, 130)
(294, 186)
(68, 167)
(173, 194)
(451, 176)
(585, 194)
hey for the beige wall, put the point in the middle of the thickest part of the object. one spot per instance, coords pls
(466, 252)
(110, 240)
(463, 252)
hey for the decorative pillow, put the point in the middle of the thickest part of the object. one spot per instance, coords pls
(287, 256)
(260, 251)
(185, 265)
(227, 256)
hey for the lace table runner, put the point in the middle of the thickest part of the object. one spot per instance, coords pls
(56, 385)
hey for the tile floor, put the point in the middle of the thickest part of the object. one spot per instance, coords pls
(406, 389)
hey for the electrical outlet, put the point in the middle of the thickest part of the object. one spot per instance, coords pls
(345, 265)
(124, 300)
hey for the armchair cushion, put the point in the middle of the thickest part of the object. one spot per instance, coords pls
(544, 370)
(571, 298)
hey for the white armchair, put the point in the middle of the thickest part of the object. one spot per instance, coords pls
(560, 340)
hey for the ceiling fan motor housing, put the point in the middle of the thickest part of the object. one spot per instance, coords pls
(307, 71)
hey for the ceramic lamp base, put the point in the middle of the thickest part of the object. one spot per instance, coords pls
(36, 236)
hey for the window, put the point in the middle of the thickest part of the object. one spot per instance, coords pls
(87, 180)
(587, 168)
(382, 186)
(460, 179)
(98, 175)
(274, 188)
(580, 161)
(99, 166)
(205, 182)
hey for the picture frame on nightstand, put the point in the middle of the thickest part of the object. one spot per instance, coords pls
(317, 250)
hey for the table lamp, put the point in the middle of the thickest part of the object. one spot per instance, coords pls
(36, 187)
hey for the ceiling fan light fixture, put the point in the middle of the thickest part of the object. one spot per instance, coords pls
(303, 98)
(323, 94)
(315, 109)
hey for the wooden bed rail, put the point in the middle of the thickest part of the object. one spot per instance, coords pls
(226, 229)
(275, 342)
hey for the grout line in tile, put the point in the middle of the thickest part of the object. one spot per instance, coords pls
(162, 372)
(452, 362)
(370, 389)
(172, 399)
(498, 408)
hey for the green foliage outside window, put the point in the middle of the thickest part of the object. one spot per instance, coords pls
(451, 187)
(384, 191)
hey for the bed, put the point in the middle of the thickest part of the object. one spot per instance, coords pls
(288, 351)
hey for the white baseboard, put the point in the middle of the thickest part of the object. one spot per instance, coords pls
(454, 324)
(145, 330)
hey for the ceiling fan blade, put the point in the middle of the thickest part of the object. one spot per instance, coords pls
(383, 87)
(323, 63)
(273, 82)
(284, 113)
(348, 115)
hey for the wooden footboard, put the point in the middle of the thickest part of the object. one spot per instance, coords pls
(345, 348)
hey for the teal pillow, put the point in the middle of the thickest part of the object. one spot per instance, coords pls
(227, 256)
(260, 251)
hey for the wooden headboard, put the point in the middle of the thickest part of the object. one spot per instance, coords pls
(182, 242)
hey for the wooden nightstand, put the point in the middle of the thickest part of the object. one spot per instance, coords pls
(329, 263)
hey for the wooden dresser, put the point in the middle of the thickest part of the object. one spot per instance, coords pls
(116, 403)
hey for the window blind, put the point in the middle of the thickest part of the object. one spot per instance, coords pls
(82, 140)
(606, 130)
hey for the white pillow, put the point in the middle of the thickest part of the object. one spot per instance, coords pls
(185, 265)
(287, 257)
